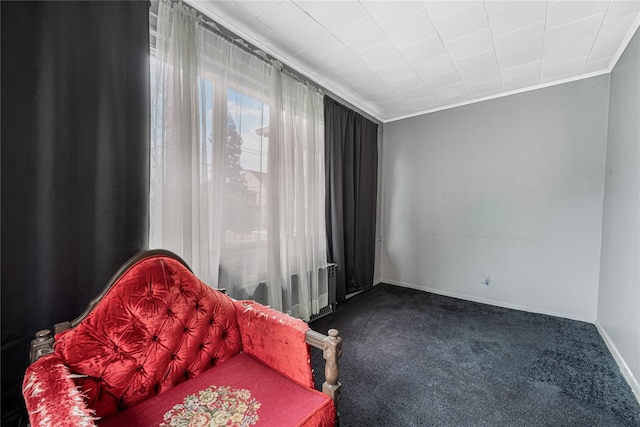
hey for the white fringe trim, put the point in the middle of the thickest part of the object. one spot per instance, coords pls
(80, 414)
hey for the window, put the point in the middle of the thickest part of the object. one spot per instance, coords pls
(219, 112)
(246, 151)
(240, 121)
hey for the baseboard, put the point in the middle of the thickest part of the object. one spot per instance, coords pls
(359, 292)
(351, 295)
(624, 368)
(485, 300)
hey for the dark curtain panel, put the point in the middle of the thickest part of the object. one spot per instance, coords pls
(75, 168)
(351, 158)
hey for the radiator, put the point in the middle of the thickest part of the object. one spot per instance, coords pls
(326, 275)
(258, 291)
(330, 276)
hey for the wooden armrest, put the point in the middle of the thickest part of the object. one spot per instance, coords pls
(43, 342)
(331, 347)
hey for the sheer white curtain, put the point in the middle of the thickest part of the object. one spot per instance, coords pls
(181, 214)
(237, 166)
(297, 238)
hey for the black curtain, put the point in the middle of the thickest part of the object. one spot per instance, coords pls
(75, 168)
(351, 159)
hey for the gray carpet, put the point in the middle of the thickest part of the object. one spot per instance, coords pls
(412, 358)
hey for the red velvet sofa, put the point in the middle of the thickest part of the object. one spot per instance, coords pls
(159, 347)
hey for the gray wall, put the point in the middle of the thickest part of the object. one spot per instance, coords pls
(619, 292)
(511, 188)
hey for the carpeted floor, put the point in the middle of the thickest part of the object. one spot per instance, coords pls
(412, 358)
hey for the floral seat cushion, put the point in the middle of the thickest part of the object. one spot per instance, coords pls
(240, 392)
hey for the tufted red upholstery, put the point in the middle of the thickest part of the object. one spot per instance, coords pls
(157, 326)
(285, 352)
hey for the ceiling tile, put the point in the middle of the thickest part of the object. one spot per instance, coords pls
(481, 76)
(426, 101)
(227, 8)
(362, 34)
(423, 50)
(484, 89)
(335, 74)
(256, 8)
(381, 90)
(578, 49)
(318, 42)
(572, 32)
(562, 12)
(394, 103)
(520, 57)
(444, 80)
(292, 46)
(447, 102)
(408, 30)
(494, 7)
(416, 93)
(393, 58)
(441, 9)
(477, 62)
(399, 105)
(326, 14)
(517, 73)
(552, 70)
(603, 51)
(297, 21)
(435, 66)
(340, 57)
(455, 90)
(391, 11)
(421, 104)
(615, 29)
(395, 88)
(410, 81)
(395, 71)
(372, 87)
(462, 23)
(471, 44)
(601, 65)
(239, 17)
(521, 83)
(618, 9)
(517, 16)
(379, 55)
(357, 70)
(515, 40)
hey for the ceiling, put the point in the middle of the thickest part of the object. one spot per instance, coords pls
(396, 59)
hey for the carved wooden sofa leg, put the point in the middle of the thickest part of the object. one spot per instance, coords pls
(331, 347)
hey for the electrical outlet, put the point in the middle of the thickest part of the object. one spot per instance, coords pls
(484, 279)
